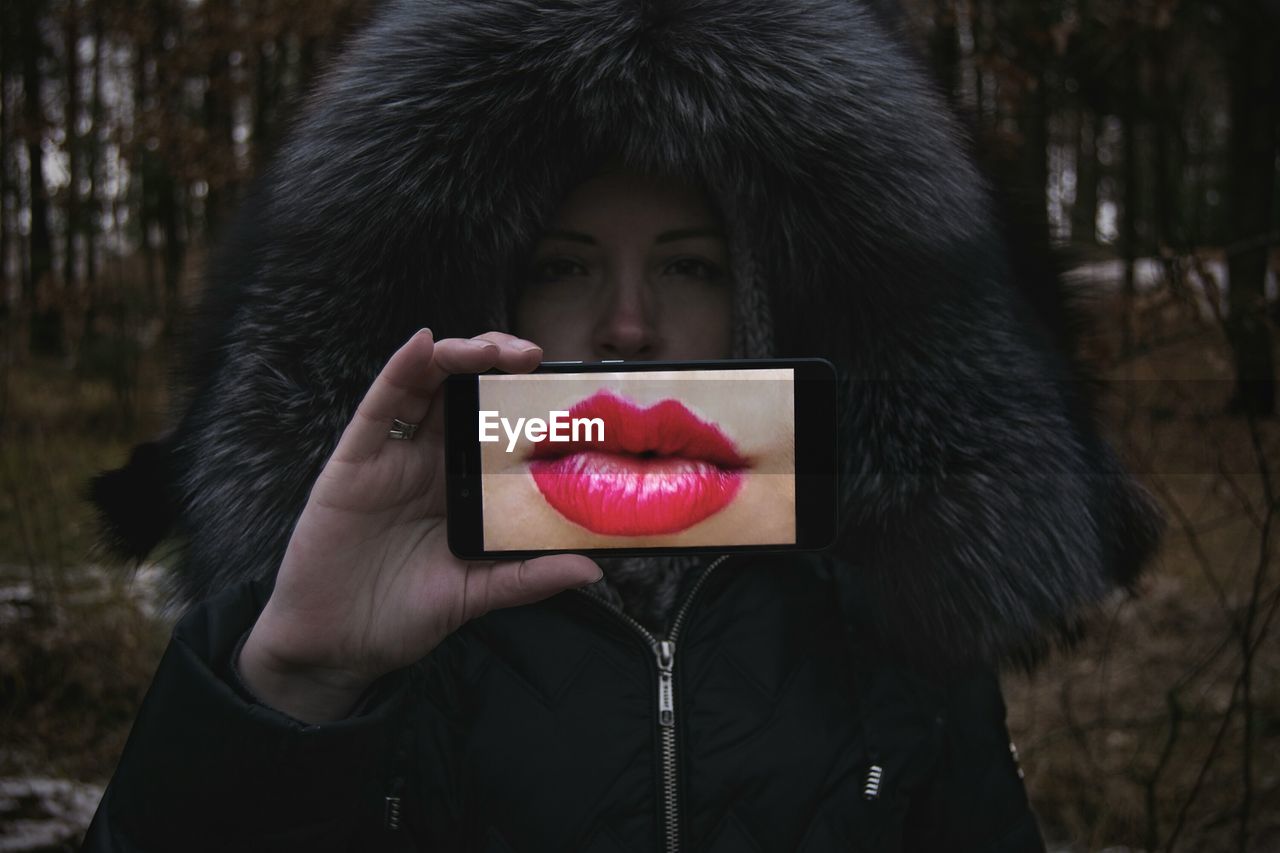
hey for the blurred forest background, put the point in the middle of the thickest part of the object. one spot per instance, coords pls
(1142, 137)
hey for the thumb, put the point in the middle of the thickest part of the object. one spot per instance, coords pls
(516, 582)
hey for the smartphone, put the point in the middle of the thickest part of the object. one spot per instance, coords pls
(614, 458)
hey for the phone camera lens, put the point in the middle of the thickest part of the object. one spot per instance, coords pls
(466, 493)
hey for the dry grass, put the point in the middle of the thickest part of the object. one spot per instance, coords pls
(59, 425)
(71, 681)
(77, 650)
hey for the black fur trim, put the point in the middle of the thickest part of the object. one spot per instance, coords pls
(134, 512)
(982, 509)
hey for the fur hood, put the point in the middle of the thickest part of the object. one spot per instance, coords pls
(983, 513)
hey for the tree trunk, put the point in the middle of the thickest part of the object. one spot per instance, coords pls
(165, 190)
(175, 249)
(308, 60)
(143, 208)
(1132, 196)
(71, 210)
(271, 57)
(1035, 150)
(944, 47)
(1254, 73)
(978, 29)
(39, 289)
(1084, 212)
(218, 126)
(92, 206)
(6, 56)
(1027, 24)
(92, 201)
(1165, 131)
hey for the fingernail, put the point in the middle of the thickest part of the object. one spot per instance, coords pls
(480, 344)
(522, 345)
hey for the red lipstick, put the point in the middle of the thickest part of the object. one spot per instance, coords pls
(658, 470)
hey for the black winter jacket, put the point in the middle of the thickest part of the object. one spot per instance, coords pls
(542, 728)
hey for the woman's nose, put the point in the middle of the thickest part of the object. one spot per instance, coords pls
(627, 327)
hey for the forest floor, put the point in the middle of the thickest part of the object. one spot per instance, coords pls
(1159, 730)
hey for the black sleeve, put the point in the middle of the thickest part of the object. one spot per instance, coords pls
(208, 768)
(976, 800)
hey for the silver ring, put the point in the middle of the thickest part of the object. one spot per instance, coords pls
(402, 429)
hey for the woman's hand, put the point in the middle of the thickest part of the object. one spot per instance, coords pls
(368, 584)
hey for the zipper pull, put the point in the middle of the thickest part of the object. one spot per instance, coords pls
(666, 698)
(392, 803)
(391, 813)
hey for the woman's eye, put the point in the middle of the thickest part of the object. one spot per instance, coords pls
(554, 268)
(694, 268)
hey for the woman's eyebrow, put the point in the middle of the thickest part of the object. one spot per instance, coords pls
(686, 233)
(664, 237)
(571, 236)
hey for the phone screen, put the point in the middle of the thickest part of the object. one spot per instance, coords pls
(633, 460)
(642, 457)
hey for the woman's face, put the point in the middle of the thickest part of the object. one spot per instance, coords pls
(637, 269)
(632, 268)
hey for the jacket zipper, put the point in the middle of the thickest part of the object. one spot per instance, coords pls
(665, 652)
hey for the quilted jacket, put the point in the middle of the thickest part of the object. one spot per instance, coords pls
(762, 721)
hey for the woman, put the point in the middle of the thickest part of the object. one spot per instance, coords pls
(383, 695)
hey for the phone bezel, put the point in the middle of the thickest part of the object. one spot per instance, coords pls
(815, 447)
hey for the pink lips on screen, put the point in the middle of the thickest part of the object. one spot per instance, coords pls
(658, 470)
